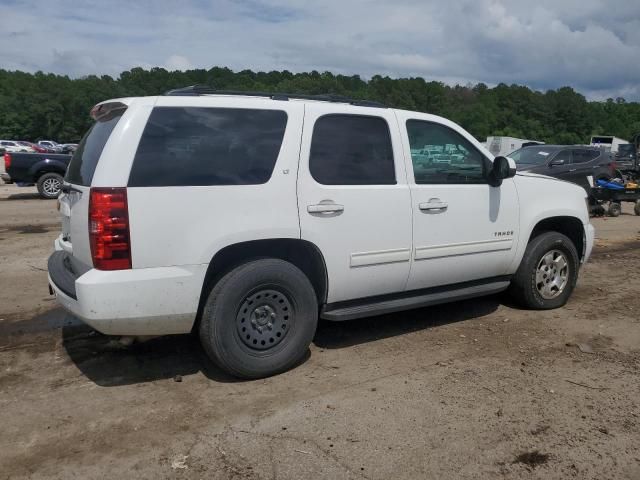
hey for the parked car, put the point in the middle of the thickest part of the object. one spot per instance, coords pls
(247, 217)
(45, 170)
(33, 147)
(13, 146)
(50, 144)
(572, 163)
(69, 147)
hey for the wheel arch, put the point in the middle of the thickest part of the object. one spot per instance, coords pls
(569, 226)
(301, 253)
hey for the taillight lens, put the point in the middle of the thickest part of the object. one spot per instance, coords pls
(109, 229)
(7, 161)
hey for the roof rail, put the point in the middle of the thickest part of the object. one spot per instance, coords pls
(196, 90)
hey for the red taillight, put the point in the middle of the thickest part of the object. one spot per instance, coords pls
(7, 161)
(109, 229)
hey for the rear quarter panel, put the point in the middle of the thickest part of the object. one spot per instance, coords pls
(186, 225)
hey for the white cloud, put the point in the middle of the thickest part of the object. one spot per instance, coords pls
(591, 45)
(177, 62)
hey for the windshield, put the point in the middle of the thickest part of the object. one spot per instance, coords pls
(531, 155)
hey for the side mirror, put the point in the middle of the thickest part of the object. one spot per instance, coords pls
(503, 167)
(557, 162)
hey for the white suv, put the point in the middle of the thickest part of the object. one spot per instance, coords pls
(246, 217)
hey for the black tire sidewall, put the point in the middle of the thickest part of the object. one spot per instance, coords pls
(219, 333)
(615, 209)
(41, 181)
(537, 248)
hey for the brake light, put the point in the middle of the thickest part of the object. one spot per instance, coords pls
(109, 229)
(7, 161)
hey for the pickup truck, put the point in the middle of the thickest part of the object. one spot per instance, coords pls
(45, 170)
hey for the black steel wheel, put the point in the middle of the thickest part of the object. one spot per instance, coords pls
(259, 319)
(264, 319)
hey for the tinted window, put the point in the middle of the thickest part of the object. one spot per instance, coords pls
(85, 159)
(352, 150)
(183, 146)
(442, 155)
(532, 155)
(584, 156)
(564, 155)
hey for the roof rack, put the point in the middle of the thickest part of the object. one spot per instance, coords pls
(196, 90)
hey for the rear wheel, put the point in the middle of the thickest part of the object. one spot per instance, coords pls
(548, 272)
(50, 185)
(259, 319)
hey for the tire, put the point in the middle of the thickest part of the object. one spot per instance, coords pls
(615, 209)
(636, 207)
(259, 319)
(49, 185)
(527, 286)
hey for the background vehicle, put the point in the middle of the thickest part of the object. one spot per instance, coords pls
(34, 147)
(69, 147)
(505, 145)
(12, 146)
(566, 162)
(607, 141)
(246, 217)
(50, 144)
(626, 157)
(45, 170)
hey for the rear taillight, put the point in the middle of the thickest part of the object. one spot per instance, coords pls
(109, 229)
(7, 161)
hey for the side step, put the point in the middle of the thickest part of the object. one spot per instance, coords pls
(369, 307)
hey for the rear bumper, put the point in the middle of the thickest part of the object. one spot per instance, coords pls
(6, 178)
(147, 301)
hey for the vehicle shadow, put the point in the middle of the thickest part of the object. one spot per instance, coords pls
(23, 196)
(354, 332)
(108, 362)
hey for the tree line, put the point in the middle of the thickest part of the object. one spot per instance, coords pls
(43, 105)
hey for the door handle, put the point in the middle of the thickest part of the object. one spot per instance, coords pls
(325, 208)
(433, 204)
(572, 169)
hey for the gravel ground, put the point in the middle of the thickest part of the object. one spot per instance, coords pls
(477, 389)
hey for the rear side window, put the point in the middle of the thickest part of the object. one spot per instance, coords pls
(184, 146)
(351, 150)
(584, 156)
(85, 159)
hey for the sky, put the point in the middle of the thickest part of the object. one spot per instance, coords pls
(590, 45)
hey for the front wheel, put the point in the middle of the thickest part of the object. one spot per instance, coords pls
(259, 319)
(50, 185)
(548, 272)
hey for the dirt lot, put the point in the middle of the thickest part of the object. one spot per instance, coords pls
(478, 389)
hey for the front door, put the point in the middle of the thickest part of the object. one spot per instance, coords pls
(353, 199)
(463, 229)
(561, 165)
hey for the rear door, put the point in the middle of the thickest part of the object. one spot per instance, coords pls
(587, 162)
(353, 199)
